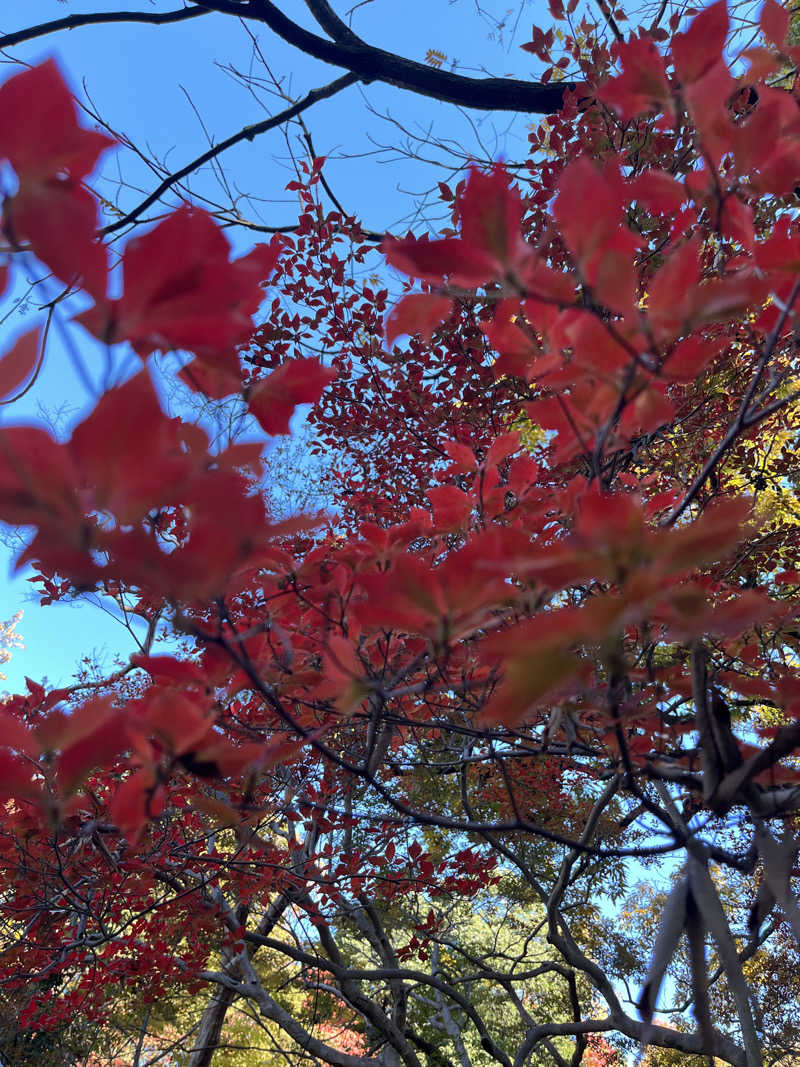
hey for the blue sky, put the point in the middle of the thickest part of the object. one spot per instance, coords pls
(170, 91)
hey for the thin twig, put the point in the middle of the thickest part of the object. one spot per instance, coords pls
(248, 133)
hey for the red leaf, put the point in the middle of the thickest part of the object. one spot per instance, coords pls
(177, 719)
(779, 172)
(737, 222)
(16, 778)
(720, 528)
(671, 294)
(451, 507)
(181, 290)
(342, 674)
(706, 101)
(96, 749)
(593, 343)
(59, 218)
(763, 63)
(36, 476)
(51, 154)
(589, 209)
(612, 274)
(462, 456)
(37, 691)
(659, 192)
(61, 730)
(651, 410)
(516, 349)
(18, 363)
(491, 242)
(691, 356)
(167, 669)
(781, 250)
(491, 218)
(129, 806)
(774, 22)
(697, 50)
(216, 379)
(722, 298)
(211, 553)
(39, 133)
(14, 734)
(408, 597)
(129, 452)
(417, 313)
(540, 659)
(642, 86)
(432, 260)
(224, 760)
(502, 447)
(274, 399)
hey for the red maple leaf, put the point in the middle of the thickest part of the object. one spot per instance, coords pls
(491, 244)
(274, 399)
(52, 154)
(181, 290)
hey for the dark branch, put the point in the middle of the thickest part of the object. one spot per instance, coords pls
(331, 23)
(374, 64)
(72, 22)
(248, 133)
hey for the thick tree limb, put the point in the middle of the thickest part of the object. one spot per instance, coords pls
(208, 1035)
(346, 50)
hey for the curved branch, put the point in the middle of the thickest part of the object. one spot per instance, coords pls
(331, 23)
(248, 133)
(661, 1036)
(252, 988)
(374, 64)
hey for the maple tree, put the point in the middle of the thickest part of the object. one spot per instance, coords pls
(546, 640)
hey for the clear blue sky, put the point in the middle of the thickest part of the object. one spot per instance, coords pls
(167, 90)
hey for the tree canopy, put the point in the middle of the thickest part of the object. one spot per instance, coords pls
(495, 759)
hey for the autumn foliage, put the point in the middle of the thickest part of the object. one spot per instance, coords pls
(554, 603)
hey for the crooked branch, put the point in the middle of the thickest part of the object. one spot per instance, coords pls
(247, 133)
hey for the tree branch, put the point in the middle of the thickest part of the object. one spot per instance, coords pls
(346, 50)
(100, 18)
(248, 133)
(331, 23)
(374, 64)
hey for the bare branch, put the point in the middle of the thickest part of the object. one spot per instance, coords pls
(100, 18)
(248, 133)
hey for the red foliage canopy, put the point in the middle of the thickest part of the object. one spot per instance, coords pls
(545, 569)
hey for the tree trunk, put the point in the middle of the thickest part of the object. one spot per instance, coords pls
(211, 1028)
